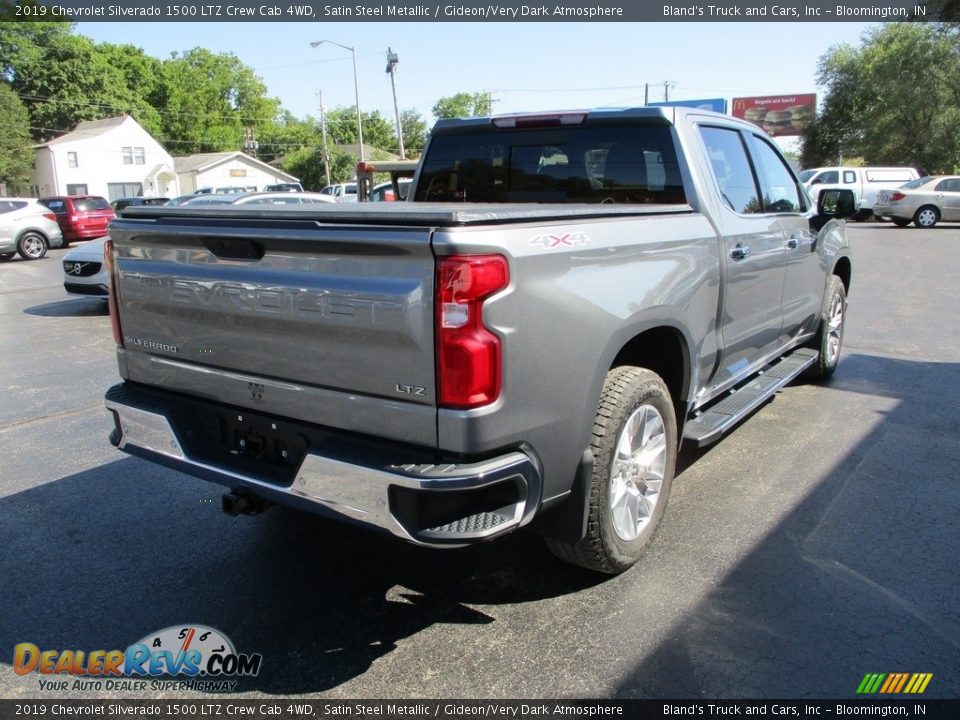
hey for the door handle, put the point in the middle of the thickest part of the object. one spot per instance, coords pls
(739, 252)
(792, 243)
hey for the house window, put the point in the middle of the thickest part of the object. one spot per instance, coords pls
(77, 189)
(115, 191)
(127, 155)
(72, 160)
(139, 158)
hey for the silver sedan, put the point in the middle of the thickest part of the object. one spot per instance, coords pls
(924, 202)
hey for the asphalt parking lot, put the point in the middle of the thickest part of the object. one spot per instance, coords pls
(816, 543)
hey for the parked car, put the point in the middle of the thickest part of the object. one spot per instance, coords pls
(284, 187)
(283, 198)
(180, 200)
(84, 272)
(384, 192)
(865, 182)
(264, 198)
(80, 217)
(211, 199)
(122, 203)
(342, 192)
(28, 228)
(924, 202)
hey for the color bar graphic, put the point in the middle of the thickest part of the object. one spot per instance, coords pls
(894, 683)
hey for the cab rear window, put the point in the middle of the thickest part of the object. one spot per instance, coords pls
(606, 163)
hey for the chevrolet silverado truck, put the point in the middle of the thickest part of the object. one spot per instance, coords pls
(525, 343)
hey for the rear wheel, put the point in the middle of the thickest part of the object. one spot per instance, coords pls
(926, 217)
(32, 245)
(829, 339)
(634, 447)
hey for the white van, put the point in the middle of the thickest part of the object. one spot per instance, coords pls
(865, 182)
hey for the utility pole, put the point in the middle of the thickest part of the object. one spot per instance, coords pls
(392, 62)
(323, 132)
(646, 94)
(250, 143)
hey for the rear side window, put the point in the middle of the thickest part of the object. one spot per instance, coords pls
(92, 203)
(600, 163)
(731, 168)
(57, 206)
(889, 176)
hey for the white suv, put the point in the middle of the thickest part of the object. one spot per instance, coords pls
(28, 228)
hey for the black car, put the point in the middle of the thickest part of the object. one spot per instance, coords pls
(121, 203)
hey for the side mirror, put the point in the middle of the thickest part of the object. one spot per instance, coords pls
(837, 203)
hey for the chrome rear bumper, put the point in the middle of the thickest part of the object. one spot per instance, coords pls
(445, 504)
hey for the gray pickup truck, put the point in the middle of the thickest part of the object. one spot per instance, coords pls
(525, 343)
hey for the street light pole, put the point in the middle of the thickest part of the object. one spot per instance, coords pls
(392, 62)
(356, 86)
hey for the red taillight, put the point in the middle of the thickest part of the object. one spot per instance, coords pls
(73, 219)
(468, 354)
(110, 264)
(50, 216)
(896, 195)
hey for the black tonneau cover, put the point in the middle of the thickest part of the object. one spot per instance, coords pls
(410, 214)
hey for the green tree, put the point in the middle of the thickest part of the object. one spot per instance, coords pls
(287, 134)
(209, 99)
(895, 100)
(414, 129)
(378, 132)
(307, 164)
(16, 155)
(462, 105)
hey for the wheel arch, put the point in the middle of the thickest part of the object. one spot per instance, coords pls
(842, 268)
(664, 349)
(38, 231)
(658, 345)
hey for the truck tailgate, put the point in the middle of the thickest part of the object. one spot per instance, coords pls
(330, 324)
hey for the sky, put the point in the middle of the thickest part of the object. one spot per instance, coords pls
(526, 66)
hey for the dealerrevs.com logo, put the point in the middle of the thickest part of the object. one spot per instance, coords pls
(200, 657)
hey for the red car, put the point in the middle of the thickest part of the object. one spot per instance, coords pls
(80, 217)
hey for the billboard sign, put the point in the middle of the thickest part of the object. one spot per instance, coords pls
(777, 114)
(716, 104)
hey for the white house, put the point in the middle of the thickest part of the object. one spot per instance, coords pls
(114, 158)
(226, 169)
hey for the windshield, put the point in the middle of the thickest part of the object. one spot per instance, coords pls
(601, 163)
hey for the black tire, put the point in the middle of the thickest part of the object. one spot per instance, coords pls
(900, 222)
(629, 393)
(829, 339)
(32, 245)
(926, 217)
(6, 256)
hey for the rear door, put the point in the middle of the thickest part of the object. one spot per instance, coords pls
(753, 255)
(328, 324)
